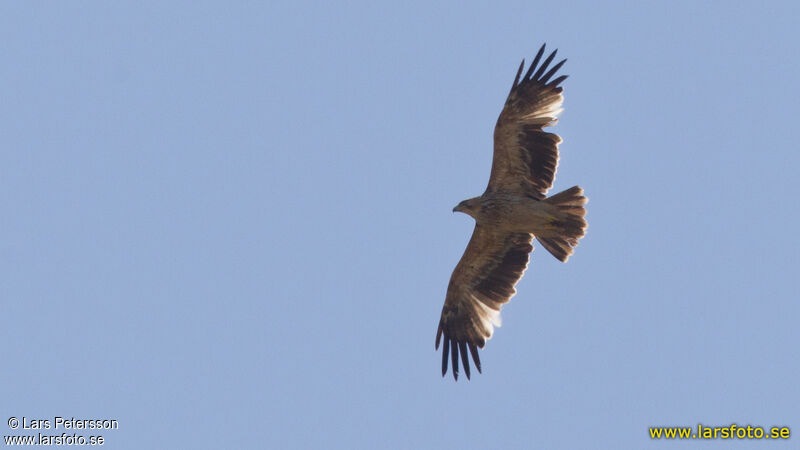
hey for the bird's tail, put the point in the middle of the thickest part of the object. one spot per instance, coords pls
(568, 223)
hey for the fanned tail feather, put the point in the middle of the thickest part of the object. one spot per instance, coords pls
(571, 224)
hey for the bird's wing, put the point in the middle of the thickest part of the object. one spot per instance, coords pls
(481, 283)
(525, 157)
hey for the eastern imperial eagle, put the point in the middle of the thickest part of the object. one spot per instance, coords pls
(510, 213)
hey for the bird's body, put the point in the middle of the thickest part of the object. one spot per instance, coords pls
(512, 211)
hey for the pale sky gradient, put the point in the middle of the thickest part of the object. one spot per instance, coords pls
(228, 224)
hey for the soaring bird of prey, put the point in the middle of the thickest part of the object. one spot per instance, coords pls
(511, 212)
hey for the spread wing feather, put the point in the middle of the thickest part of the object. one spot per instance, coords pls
(481, 283)
(525, 157)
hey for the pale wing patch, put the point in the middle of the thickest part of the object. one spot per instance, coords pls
(488, 315)
(545, 113)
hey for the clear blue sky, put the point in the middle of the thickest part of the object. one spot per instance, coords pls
(228, 225)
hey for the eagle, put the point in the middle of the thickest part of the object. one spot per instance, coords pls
(512, 211)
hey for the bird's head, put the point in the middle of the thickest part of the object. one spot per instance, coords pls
(469, 206)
